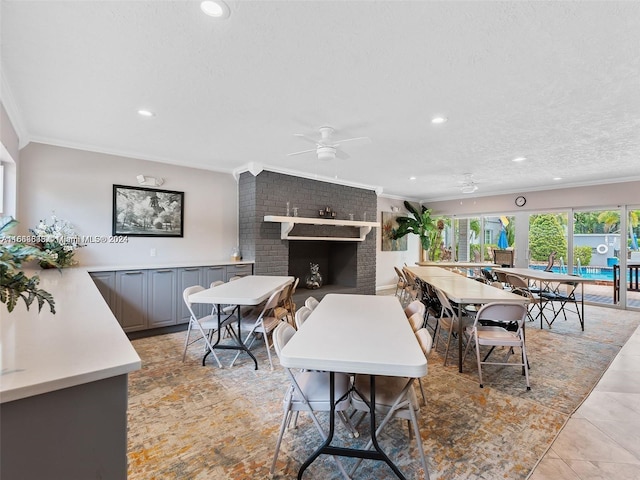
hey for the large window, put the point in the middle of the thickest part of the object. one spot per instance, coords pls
(547, 235)
(632, 277)
(596, 251)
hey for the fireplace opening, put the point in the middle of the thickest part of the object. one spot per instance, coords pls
(337, 261)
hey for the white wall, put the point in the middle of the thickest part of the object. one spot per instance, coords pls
(385, 261)
(8, 158)
(593, 196)
(78, 186)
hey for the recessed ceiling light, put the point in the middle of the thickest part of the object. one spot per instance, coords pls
(438, 120)
(412, 178)
(519, 159)
(557, 178)
(217, 9)
(146, 113)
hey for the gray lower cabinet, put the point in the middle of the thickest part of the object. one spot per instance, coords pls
(152, 298)
(161, 298)
(106, 283)
(188, 277)
(238, 271)
(213, 274)
(131, 299)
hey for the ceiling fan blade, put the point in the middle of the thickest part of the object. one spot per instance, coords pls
(301, 152)
(356, 141)
(341, 154)
(302, 136)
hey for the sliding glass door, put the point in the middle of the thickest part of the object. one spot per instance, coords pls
(597, 249)
(633, 258)
(548, 242)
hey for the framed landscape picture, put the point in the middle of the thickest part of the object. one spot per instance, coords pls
(147, 212)
(389, 226)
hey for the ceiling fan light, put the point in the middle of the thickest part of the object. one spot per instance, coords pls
(469, 188)
(216, 9)
(326, 153)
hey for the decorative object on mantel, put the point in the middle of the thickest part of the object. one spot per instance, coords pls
(327, 213)
(14, 284)
(59, 240)
(235, 254)
(314, 279)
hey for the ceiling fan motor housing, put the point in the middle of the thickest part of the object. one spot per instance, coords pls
(326, 152)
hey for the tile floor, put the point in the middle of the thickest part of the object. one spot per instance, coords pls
(601, 440)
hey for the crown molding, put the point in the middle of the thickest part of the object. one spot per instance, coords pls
(543, 188)
(125, 154)
(257, 167)
(13, 111)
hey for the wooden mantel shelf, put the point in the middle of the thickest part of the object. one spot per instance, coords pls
(287, 224)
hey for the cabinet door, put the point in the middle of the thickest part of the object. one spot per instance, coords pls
(239, 270)
(212, 274)
(161, 298)
(106, 283)
(131, 299)
(187, 277)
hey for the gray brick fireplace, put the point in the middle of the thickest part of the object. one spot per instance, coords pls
(346, 266)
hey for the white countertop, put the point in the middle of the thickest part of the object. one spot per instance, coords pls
(81, 343)
(203, 263)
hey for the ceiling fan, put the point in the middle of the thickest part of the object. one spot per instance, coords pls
(468, 184)
(326, 147)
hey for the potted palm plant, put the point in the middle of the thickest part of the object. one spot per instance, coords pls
(420, 223)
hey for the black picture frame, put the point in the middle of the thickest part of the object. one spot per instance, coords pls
(147, 212)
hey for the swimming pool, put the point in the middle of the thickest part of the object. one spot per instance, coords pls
(595, 273)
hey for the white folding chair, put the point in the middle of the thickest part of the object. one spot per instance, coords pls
(494, 335)
(266, 322)
(301, 316)
(416, 321)
(448, 320)
(401, 284)
(287, 300)
(411, 288)
(206, 326)
(311, 303)
(309, 392)
(395, 397)
(415, 307)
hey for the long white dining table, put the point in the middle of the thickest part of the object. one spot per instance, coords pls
(356, 334)
(251, 290)
(545, 281)
(465, 291)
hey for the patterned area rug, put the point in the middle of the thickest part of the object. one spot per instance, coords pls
(192, 422)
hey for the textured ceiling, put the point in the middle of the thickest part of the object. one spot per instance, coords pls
(555, 82)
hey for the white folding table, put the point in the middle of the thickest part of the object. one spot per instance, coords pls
(466, 291)
(250, 290)
(545, 279)
(359, 334)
